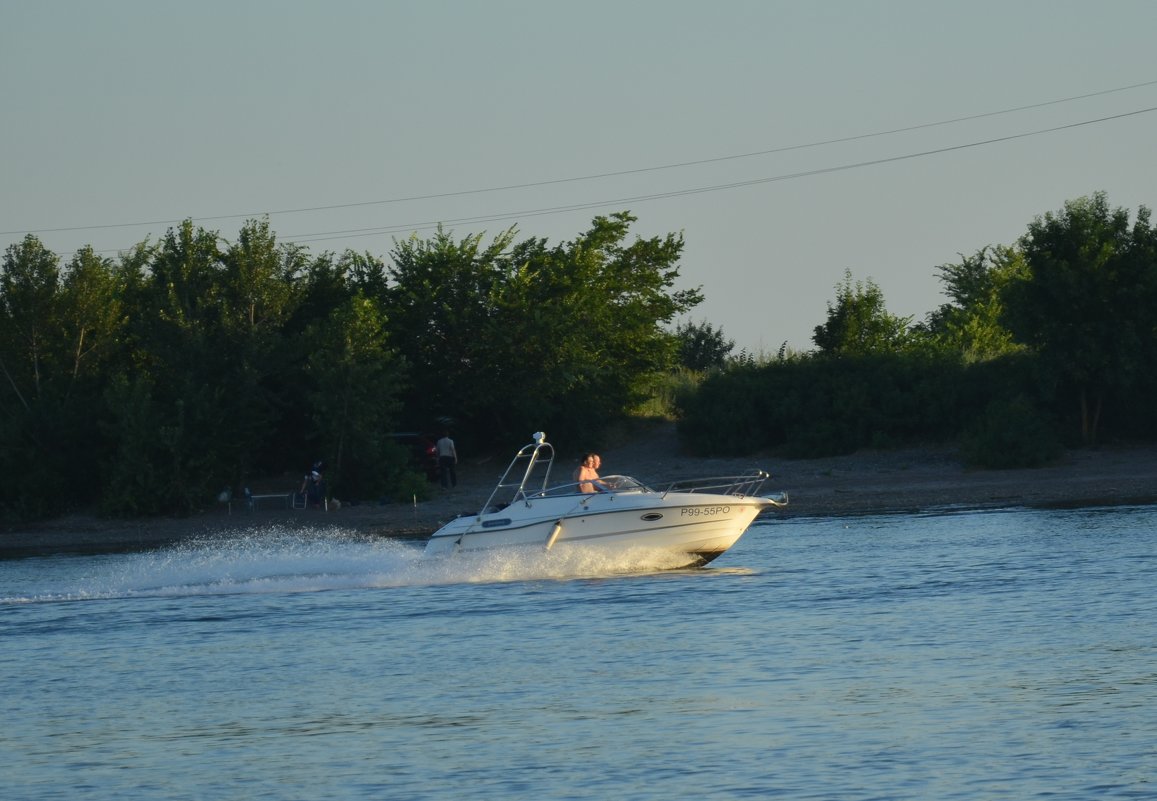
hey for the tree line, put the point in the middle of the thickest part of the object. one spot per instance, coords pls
(150, 382)
(1048, 342)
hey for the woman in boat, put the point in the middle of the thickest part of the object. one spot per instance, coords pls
(587, 473)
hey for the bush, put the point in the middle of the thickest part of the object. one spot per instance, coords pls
(408, 486)
(664, 391)
(1010, 433)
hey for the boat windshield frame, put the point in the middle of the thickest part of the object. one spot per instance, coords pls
(742, 486)
(528, 477)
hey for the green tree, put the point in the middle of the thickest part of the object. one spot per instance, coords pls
(859, 322)
(366, 273)
(259, 293)
(508, 335)
(60, 333)
(970, 324)
(29, 318)
(30, 349)
(599, 310)
(176, 380)
(356, 379)
(1086, 302)
(92, 315)
(702, 346)
(438, 307)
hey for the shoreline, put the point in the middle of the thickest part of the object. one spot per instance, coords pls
(918, 480)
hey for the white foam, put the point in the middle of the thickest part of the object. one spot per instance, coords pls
(275, 559)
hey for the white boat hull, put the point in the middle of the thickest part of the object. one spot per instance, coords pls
(688, 528)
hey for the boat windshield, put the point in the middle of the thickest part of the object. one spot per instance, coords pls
(613, 484)
(623, 484)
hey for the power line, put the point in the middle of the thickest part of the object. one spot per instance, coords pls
(323, 236)
(613, 174)
(543, 211)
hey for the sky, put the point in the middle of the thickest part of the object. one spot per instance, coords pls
(787, 141)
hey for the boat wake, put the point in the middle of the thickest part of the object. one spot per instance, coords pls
(273, 559)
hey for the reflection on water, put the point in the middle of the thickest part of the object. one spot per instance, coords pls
(976, 655)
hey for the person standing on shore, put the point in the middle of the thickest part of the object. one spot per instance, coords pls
(447, 461)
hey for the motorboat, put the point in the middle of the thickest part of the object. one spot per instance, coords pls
(688, 523)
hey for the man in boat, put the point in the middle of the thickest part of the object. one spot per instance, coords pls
(587, 474)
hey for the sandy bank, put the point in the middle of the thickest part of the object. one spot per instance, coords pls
(868, 482)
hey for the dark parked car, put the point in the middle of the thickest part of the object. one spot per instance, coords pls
(423, 452)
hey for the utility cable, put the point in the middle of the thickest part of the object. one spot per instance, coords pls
(619, 173)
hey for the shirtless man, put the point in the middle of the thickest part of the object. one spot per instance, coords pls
(587, 473)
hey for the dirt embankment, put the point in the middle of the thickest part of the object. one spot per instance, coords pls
(862, 483)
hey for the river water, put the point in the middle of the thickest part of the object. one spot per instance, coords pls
(997, 655)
